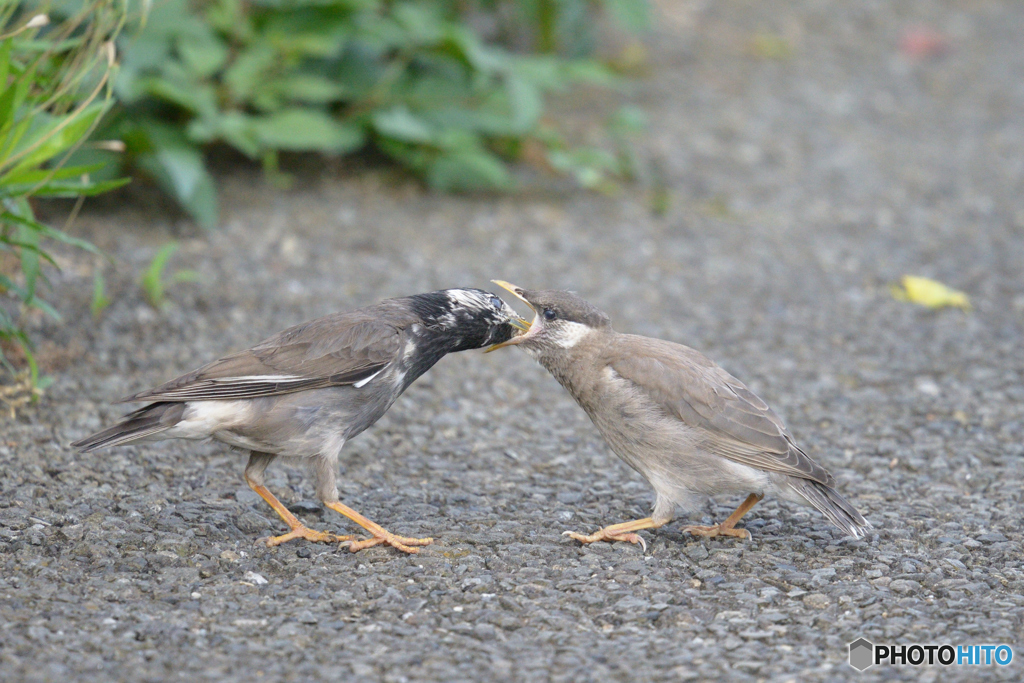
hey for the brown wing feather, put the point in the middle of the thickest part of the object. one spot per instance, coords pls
(739, 425)
(338, 349)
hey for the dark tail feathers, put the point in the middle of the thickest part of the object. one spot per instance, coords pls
(146, 421)
(836, 508)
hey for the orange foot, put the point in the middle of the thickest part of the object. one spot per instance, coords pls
(379, 533)
(728, 527)
(717, 530)
(607, 535)
(302, 531)
(387, 538)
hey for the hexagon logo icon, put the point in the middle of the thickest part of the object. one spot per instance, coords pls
(862, 654)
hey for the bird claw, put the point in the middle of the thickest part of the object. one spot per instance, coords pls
(610, 536)
(717, 530)
(304, 533)
(387, 538)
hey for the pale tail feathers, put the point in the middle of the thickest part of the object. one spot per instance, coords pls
(144, 422)
(835, 508)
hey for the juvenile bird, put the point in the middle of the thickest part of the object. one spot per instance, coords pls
(685, 424)
(307, 390)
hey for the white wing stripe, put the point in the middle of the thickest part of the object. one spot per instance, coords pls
(255, 379)
(363, 382)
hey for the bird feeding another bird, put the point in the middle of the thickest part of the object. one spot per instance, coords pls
(306, 391)
(669, 412)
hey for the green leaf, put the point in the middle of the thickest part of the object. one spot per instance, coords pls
(45, 231)
(100, 301)
(309, 88)
(13, 137)
(307, 130)
(104, 164)
(485, 59)
(204, 55)
(5, 61)
(68, 188)
(233, 127)
(152, 280)
(527, 103)
(57, 135)
(185, 276)
(12, 99)
(31, 177)
(470, 169)
(36, 302)
(198, 98)
(179, 168)
(13, 242)
(401, 124)
(250, 70)
(6, 284)
(309, 31)
(30, 268)
(7, 107)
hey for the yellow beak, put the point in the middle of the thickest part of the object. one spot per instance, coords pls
(519, 324)
(516, 291)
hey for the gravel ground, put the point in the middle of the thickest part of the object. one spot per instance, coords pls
(802, 186)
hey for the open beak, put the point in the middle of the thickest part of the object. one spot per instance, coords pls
(513, 289)
(519, 323)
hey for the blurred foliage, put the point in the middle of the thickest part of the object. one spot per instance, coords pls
(154, 281)
(56, 86)
(100, 300)
(451, 89)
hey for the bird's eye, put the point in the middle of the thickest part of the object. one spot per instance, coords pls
(549, 314)
(497, 302)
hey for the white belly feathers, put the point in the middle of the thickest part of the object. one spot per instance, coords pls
(203, 418)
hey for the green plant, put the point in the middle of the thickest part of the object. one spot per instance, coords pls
(153, 281)
(564, 26)
(100, 301)
(334, 76)
(56, 86)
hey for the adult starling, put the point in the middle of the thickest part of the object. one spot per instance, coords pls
(685, 424)
(307, 390)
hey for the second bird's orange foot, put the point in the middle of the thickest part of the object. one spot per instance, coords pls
(717, 530)
(402, 543)
(605, 535)
(307, 534)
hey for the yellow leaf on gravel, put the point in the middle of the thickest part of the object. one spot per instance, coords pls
(925, 292)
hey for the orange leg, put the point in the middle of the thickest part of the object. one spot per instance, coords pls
(618, 532)
(727, 528)
(298, 529)
(380, 535)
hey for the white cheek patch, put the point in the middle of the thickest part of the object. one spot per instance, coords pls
(570, 334)
(202, 418)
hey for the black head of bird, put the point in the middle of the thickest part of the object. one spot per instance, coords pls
(307, 390)
(466, 318)
(685, 424)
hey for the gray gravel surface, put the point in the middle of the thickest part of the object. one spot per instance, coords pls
(801, 188)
